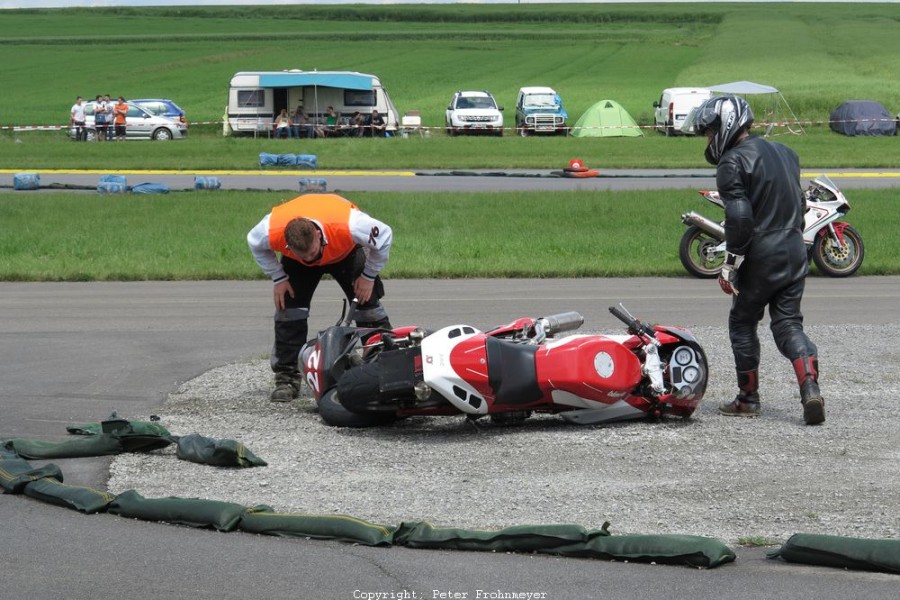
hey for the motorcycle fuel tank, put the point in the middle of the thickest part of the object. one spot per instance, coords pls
(594, 368)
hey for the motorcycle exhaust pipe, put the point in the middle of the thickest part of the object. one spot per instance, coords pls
(708, 225)
(566, 321)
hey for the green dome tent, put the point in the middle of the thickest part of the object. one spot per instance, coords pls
(606, 118)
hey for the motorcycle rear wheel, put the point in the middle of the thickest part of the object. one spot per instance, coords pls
(837, 260)
(335, 414)
(360, 392)
(695, 252)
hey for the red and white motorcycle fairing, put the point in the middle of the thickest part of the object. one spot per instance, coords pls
(586, 378)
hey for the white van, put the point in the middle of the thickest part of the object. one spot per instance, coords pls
(674, 106)
(256, 97)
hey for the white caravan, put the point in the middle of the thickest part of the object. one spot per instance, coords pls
(256, 97)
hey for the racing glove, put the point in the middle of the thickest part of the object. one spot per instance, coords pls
(728, 274)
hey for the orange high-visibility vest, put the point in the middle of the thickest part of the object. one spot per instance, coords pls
(329, 212)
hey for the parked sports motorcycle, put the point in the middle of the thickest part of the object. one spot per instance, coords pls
(834, 246)
(364, 377)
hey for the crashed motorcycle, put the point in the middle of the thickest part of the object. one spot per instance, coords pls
(364, 377)
(834, 246)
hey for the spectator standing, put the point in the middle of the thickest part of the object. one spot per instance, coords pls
(765, 262)
(101, 115)
(77, 113)
(120, 112)
(317, 234)
(110, 117)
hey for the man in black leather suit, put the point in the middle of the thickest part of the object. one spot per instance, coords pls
(766, 261)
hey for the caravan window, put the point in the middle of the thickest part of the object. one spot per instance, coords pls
(359, 98)
(251, 98)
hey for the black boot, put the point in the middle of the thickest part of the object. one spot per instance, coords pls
(807, 370)
(746, 403)
(290, 335)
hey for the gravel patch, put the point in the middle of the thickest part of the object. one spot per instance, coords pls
(729, 478)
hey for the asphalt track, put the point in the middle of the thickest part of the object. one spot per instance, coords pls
(73, 352)
(430, 180)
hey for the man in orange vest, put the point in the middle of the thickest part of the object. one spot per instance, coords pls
(317, 234)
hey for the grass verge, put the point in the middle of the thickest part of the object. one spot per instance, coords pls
(201, 235)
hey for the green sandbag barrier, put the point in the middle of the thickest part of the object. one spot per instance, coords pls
(193, 512)
(217, 452)
(841, 552)
(83, 499)
(16, 473)
(571, 540)
(671, 549)
(561, 539)
(321, 527)
(520, 538)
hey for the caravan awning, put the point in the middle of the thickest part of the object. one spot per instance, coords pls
(347, 81)
(743, 87)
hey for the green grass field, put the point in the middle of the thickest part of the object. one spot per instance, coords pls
(201, 235)
(817, 54)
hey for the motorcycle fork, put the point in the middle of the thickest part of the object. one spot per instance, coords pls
(836, 231)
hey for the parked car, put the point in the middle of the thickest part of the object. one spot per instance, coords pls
(474, 112)
(674, 106)
(539, 109)
(140, 124)
(162, 107)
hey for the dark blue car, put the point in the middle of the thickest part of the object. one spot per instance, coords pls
(162, 107)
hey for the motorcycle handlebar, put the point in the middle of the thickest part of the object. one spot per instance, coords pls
(635, 327)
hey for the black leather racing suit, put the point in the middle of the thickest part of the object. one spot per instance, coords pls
(759, 182)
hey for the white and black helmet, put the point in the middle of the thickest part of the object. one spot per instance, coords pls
(726, 117)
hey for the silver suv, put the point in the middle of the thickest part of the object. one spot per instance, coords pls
(474, 112)
(140, 124)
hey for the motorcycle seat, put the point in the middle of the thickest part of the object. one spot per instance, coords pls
(511, 372)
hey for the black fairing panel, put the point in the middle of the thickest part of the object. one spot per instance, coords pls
(511, 372)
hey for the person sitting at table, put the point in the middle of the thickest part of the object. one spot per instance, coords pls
(283, 125)
(331, 121)
(303, 128)
(377, 124)
(357, 124)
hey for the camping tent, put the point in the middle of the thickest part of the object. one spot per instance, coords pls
(771, 110)
(862, 117)
(606, 118)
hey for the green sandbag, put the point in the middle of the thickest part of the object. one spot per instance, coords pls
(841, 552)
(84, 499)
(321, 527)
(193, 512)
(692, 550)
(98, 445)
(16, 473)
(139, 427)
(519, 538)
(217, 452)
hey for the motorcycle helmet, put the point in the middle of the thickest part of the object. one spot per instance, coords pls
(726, 117)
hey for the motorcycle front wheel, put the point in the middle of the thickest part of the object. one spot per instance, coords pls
(839, 260)
(698, 255)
